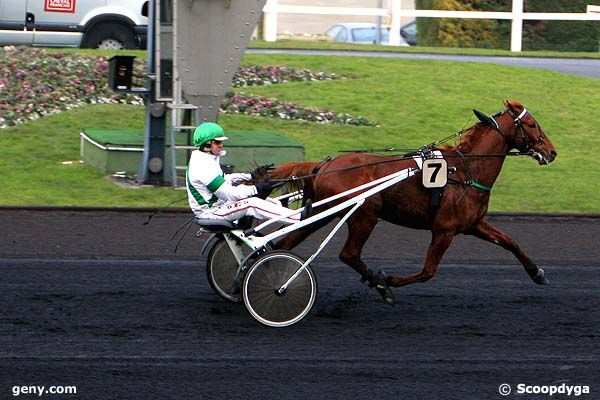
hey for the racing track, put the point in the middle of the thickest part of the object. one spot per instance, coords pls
(100, 301)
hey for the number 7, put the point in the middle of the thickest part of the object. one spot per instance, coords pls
(437, 167)
(435, 173)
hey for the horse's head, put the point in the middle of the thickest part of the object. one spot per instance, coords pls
(527, 135)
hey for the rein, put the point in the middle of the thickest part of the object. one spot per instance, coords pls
(395, 159)
(428, 147)
(295, 178)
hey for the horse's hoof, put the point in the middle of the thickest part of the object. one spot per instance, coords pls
(387, 296)
(540, 279)
(384, 289)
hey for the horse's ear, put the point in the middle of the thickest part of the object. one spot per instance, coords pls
(514, 105)
(486, 119)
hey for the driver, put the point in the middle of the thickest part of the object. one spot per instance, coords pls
(214, 195)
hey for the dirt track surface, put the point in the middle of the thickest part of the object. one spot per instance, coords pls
(99, 301)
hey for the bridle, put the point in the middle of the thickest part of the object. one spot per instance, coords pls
(526, 141)
(526, 148)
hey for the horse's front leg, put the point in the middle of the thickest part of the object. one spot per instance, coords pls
(440, 242)
(486, 231)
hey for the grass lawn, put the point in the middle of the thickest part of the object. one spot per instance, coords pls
(414, 101)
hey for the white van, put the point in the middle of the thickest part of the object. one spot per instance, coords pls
(104, 24)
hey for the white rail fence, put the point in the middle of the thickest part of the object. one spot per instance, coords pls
(396, 12)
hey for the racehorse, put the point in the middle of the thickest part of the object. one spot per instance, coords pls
(473, 165)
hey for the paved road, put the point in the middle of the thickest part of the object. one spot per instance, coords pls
(583, 67)
(100, 301)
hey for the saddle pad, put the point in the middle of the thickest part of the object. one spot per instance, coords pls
(419, 159)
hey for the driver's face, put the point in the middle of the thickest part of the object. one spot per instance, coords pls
(215, 147)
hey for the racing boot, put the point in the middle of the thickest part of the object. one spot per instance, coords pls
(379, 282)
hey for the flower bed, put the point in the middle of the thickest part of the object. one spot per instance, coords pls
(241, 103)
(255, 75)
(35, 83)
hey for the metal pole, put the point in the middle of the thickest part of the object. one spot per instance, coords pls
(152, 167)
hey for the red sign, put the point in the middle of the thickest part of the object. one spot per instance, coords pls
(66, 6)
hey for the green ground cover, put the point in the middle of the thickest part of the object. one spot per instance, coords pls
(414, 102)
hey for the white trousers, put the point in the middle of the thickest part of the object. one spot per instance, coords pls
(253, 207)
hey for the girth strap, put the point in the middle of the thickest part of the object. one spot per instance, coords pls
(478, 185)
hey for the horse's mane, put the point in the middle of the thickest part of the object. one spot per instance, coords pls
(466, 139)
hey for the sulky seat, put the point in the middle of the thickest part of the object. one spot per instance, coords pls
(216, 225)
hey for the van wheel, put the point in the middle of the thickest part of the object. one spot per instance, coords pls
(110, 36)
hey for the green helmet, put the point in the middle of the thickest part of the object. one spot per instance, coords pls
(207, 131)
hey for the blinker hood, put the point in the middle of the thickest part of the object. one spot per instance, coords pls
(486, 119)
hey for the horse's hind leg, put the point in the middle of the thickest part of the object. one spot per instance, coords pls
(440, 242)
(360, 227)
(486, 231)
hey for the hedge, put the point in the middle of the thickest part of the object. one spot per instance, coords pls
(537, 35)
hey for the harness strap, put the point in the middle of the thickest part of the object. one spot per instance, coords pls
(478, 185)
(470, 182)
(435, 199)
(318, 167)
(518, 119)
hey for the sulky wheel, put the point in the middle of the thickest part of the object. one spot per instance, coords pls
(221, 268)
(266, 276)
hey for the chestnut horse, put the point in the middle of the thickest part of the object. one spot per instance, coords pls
(473, 165)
